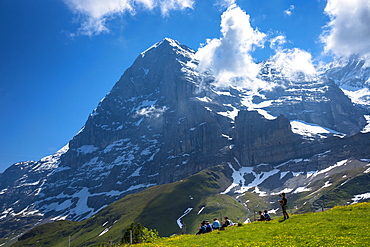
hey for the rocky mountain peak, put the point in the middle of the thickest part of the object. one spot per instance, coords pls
(168, 46)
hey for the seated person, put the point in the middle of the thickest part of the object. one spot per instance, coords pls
(202, 228)
(208, 226)
(267, 216)
(227, 222)
(262, 217)
(216, 224)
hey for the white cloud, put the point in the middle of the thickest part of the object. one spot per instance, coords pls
(294, 64)
(349, 28)
(169, 5)
(289, 11)
(277, 42)
(95, 13)
(229, 57)
(225, 3)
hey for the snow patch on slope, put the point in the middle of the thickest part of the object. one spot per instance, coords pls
(358, 96)
(297, 184)
(367, 127)
(360, 197)
(178, 221)
(311, 131)
(239, 180)
(338, 164)
(87, 149)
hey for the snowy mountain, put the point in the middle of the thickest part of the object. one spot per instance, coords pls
(164, 121)
(353, 72)
(353, 77)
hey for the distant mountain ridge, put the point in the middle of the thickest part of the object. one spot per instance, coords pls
(164, 121)
(353, 72)
(353, 77)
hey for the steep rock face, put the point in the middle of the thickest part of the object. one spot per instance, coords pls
(258, 140)
(261, 140)
(314, 100)
(20, 187)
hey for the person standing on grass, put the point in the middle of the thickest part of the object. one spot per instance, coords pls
(284, 203)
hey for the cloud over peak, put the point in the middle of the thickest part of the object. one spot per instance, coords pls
(294, 64)
(228, 57)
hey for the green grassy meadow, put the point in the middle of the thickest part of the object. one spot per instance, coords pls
(340, 226)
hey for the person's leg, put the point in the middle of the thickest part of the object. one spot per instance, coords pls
(284, 212)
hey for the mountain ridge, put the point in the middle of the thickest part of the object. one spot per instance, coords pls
(165, 208)
(163, 121)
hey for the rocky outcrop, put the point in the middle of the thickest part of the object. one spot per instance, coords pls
(258, 140)
(320, 102)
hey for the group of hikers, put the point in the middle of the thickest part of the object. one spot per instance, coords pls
(205, 226)
(265, 216)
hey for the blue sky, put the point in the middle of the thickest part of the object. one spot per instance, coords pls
(59, 58)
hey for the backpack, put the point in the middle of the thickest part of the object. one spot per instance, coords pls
(209, 228)
(267, 217)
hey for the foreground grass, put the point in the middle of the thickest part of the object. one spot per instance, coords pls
(340, 226)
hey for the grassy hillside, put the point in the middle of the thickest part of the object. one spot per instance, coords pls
(157, 207)
(342, 193)
(344, 185)
(340, 226)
